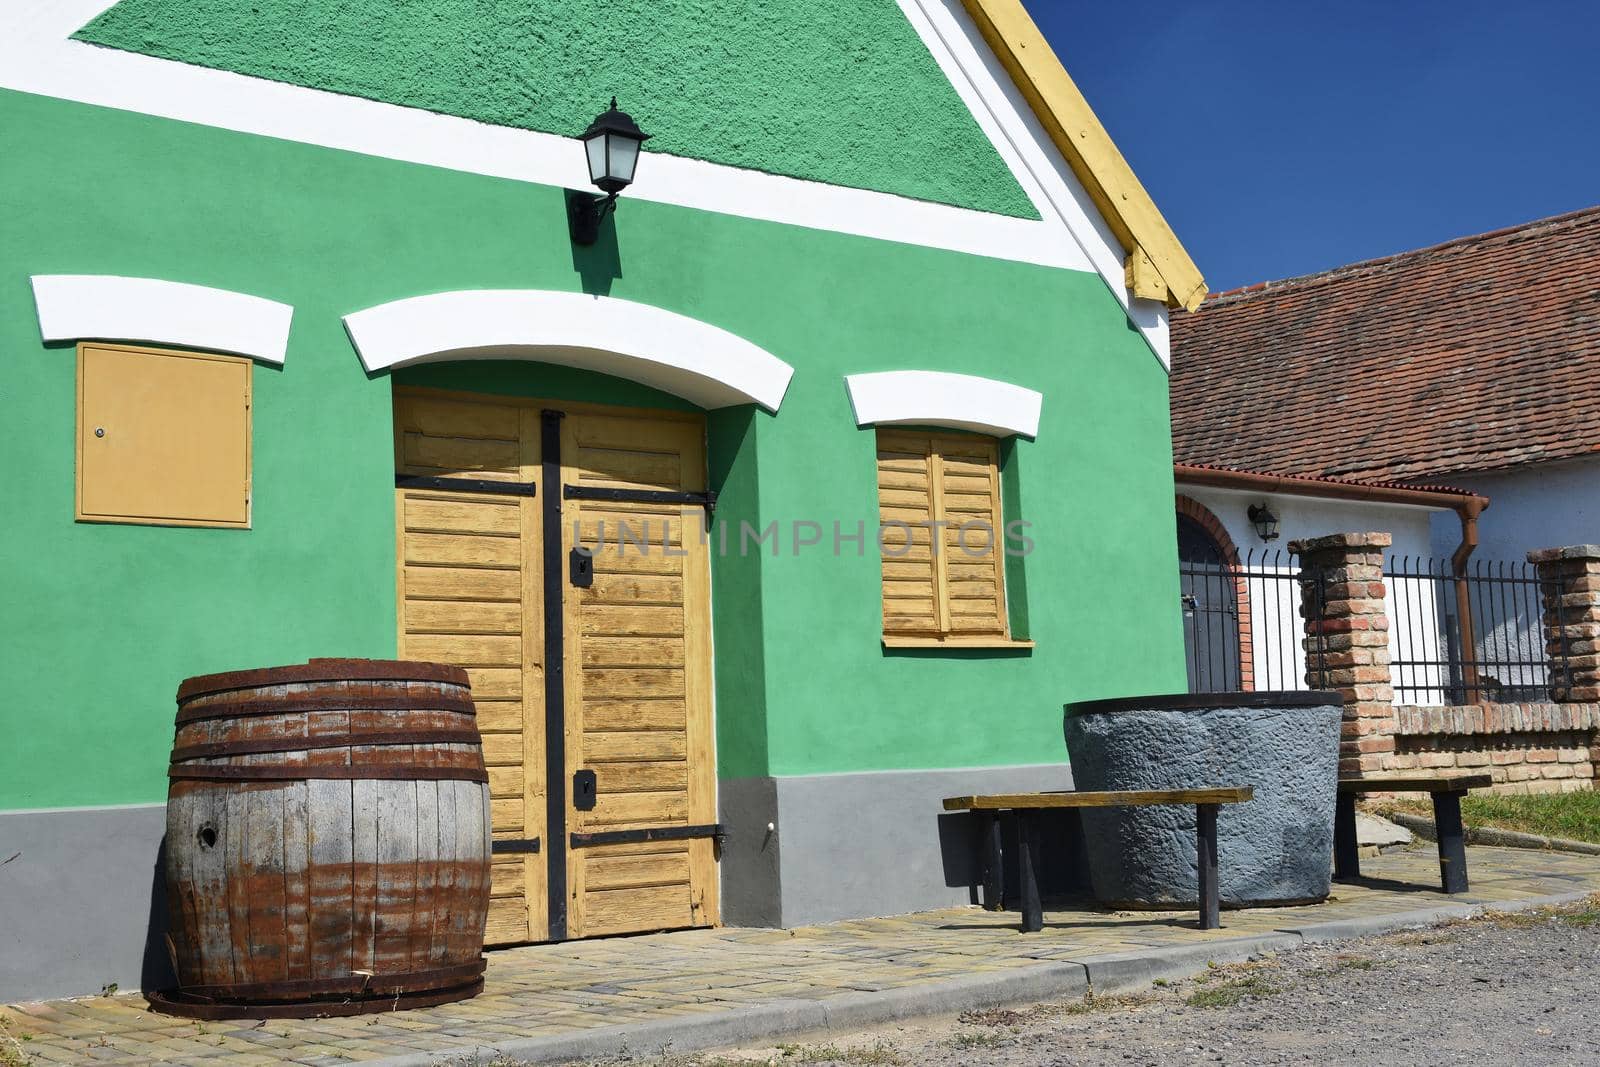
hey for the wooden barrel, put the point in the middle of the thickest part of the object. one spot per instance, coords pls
(328, 841)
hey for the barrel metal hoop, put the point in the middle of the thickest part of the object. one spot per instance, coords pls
(262, 746)
(324, 670)
(351, 985)
(324, 702)
(314, 772)
(333, 1006)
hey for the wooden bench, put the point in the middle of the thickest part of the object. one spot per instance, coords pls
(1447, 793)
(1027, 807)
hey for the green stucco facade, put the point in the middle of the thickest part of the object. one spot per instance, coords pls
(101, 621)
(831, 749)
(836, 91)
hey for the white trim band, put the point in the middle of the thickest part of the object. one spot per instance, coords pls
(699, 362)
(106, 307)
(37, 55)
(938, 398)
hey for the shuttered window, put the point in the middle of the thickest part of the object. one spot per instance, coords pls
(949, 484)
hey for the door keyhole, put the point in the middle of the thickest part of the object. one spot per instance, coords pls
(584, 789)
(581, 568)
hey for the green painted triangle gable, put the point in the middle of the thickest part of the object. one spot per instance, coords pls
(836, 91)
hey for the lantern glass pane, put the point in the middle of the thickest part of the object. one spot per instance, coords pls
(596, 148)
(624, 157)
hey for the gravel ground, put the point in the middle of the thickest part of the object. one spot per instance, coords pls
(1512, 988)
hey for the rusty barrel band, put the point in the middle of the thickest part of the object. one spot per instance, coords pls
(351, 985)
(262, 746)
(461, 705)
(323, 670)
(175, 1003)
(281, 773)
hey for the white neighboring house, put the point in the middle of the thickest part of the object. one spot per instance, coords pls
(1472, 362)
(1242, 627)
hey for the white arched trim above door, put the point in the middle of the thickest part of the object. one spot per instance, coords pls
(939, 398)
(107, 307)
(699, 362)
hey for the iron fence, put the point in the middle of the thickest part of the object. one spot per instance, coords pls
(1471, 638)
(1242, 622)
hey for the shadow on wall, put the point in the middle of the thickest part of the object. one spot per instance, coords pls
(159, 968)
(599, 264)
(1063, 861)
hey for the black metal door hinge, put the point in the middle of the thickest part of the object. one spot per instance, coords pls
(513, 845)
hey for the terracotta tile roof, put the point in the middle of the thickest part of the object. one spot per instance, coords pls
(1478, 354)
(1312, 481)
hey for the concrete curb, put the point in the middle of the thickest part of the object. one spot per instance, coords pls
(1489, 835)
(1121, 972)
(1106, 973)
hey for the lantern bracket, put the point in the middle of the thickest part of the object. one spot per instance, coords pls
(585, 213)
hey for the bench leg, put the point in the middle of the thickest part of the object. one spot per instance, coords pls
(992, 856)
(1027, 871)
(1346, 850)
(1452, 842)
(1210, 893)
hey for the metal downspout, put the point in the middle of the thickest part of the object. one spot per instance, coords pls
(1468, 511)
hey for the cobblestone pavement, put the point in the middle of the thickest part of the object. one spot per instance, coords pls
(1509, 988)
(563, 988)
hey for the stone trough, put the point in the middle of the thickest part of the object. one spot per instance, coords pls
(1274, 849)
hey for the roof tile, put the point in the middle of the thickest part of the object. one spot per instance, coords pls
(1474, 355)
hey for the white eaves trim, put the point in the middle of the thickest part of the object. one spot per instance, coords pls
(38, 56)
(938, 398)
(111, 308)
(999, 108)
(701, 363)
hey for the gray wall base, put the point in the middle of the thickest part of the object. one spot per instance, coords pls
(82, 904)
(849, 846)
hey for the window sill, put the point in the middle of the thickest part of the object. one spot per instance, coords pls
(896, 641)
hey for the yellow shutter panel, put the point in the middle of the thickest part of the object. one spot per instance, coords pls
(906, 510)
(163, 437)
(973, 559)
(949, 483)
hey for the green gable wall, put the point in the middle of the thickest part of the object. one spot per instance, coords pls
(101, 622)
(837, 91)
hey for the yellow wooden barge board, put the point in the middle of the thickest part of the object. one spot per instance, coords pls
(1158, 267)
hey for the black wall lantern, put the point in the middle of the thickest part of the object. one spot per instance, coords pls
(1265, 522)
(612, 145)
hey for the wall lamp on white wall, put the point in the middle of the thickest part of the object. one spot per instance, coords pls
(1265, 520)
(612, 145)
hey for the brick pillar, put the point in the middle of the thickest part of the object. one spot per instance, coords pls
(1347, 640)
(1569, 583)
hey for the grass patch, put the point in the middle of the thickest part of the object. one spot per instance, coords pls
(868, 1054)
(1350, 961)
(1422, 937)
(11, 1054)
(1225, 992)
(1091, 1002)
(1583, 913)
(1575, 816)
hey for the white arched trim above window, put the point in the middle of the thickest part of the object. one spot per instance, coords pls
(702, 363)
(938, 398)
(106, 307)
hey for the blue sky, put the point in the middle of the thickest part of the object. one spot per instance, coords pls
(1281, 139)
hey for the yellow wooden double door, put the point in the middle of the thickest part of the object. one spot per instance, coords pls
(556, 552)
